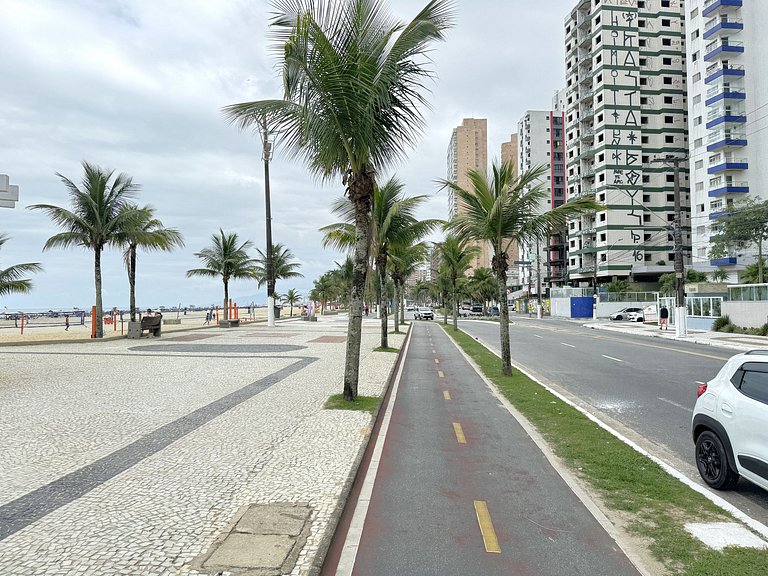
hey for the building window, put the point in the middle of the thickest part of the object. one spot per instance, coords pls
(694, 13)
(666, 22)
(643, 61)
(646, 217)
(666, 61)
(669, 139)
(669, 119)
(668, 100)
(667, 80)
(666, 42)
(642, 42)
(699, 163)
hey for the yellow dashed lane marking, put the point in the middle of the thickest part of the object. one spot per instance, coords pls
(486, 527)
(437, 361)
(459, 433)
(446, 395)
(440, 373)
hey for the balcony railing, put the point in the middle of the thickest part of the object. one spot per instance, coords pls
(726, 135)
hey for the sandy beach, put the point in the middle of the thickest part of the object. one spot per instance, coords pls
(53, 329)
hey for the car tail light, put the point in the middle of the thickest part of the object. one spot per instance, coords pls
(701, 389)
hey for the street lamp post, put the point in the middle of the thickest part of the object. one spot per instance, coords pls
(267, 156)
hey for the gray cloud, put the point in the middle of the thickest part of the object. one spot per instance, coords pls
(138, 87)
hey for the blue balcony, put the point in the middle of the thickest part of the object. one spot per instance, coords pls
(728, 72)
(724, 50)
(716, 215)
(726, 119)
(715, 5)
(731, 260)
(723, 26)
(737, 188)
(722, 140)
(725, 94)
(740, 164)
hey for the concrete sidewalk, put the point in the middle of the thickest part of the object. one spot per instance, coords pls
(204, 452)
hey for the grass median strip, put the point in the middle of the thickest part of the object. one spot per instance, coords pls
(649, 502)
(366, 403)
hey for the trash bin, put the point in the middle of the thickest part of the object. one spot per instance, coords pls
(277, 312)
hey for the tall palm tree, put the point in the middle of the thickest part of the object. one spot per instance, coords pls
(441, 288)
(393, 223)
(292, 297)
(11, 278)
(354, 95)
(282, 265)
(505, 209)
(147, 233)
(323, 289)
(456, 255)
(225, 258)
(97, 217)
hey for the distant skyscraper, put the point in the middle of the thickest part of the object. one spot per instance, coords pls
(625, 106)
(728, 95)
(468, 150)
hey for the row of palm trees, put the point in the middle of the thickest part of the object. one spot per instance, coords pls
(102, 214)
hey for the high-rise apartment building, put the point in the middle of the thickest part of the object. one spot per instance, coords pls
(728, 111)
(468, 150)
(625, 106)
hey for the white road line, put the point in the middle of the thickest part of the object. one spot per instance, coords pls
(569, 345)
(676, 404)
(537, 336)
(612, 358)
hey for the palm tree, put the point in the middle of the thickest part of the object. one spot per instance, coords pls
(353, 102)
(292, 298)
(456, 255)
(323, 289)
(148, 233)
(405, 260)
(504, 210)
(441, 288)
(226, 259)
(11, 281)
(97, 218)
(483, 286)
(282, 265)
(393, 223)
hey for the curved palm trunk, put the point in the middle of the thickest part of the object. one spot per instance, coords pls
(361, 195)
(381, 264)
(97, 280)
(445, 310)
(402, 303)
(132, 281)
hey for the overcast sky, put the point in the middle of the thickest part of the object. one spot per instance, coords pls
(137, 86)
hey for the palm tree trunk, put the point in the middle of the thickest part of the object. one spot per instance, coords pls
(97, 280)
(132, 281)
(225, 308)
(396, 311)
(291, 309)
(381, 264)
(760, 278)
(455, 307)
(402, 303)
(361, 194)
(506, 357)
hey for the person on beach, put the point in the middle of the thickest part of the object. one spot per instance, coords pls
(207, 318)
(66, 322)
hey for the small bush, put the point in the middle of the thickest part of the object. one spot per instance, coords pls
(764, 329)
(728, 328)
(720, 323)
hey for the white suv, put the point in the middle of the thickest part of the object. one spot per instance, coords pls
(424, 314)
(730, 423)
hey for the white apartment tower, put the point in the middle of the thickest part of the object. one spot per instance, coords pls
(728, 108)
(625, 106)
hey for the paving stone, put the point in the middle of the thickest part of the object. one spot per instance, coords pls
(251, 551)
(273, 519)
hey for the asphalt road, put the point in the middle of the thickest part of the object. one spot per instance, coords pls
(644, 387)
(454, 453)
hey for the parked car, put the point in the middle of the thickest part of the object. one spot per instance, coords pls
(623, 313)
(729, 423)
(494, 311)
(636, 316)
(424, 313)
(410, 308)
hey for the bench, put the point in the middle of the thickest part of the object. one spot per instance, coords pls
(152, 324)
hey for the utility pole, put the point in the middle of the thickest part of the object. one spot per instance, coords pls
(677, 236)
(267, 156)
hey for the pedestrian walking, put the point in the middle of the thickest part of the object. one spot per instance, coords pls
(207, 318)
(664, 318)
(66, 322)
(366, 309)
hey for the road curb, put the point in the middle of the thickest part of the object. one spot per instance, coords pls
(702, 342)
